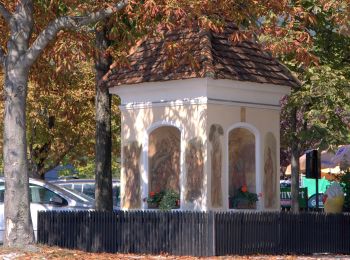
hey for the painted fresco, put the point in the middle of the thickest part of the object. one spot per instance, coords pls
(270, 172)
(241, 161)
(216, 131)
(194, 169)
(164, 159)
(132, 197)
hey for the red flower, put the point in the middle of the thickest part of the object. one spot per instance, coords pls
(244, 188)
(152, 193)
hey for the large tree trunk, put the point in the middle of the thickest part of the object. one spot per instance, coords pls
(103, 148)
(295, 163)
(18, 228)
(18, 224)
(16, 63)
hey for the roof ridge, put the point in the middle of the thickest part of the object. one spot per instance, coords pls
(206, 37)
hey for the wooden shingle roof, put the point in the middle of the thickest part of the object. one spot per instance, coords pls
(198, 53)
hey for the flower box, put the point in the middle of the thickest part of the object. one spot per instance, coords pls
(238, 203)
(164, 200)
(152, 205)
(243, 199)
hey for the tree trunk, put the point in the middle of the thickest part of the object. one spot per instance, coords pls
(18, 224)
(103, 148)
(16, 63)
(295, 167)
(18, 228)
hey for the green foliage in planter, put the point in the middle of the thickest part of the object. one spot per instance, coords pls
(164, 200)
(242, 194)
(170, 200)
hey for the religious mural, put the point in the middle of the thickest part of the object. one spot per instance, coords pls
(270, 172)
(241, 162)
(216, 131)
(164, 159)
(194, 169)
(131, 198)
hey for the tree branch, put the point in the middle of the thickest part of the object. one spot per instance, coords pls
(55, 162)
(5, 13)
(66, 22)
(2, 56)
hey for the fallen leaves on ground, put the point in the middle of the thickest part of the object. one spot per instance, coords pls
(44, 252)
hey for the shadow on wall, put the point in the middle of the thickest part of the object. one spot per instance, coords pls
(164, 148)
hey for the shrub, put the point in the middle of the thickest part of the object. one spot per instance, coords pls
(344, 180)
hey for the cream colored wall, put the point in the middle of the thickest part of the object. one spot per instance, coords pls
(267, 120)
(191, 117)
(191, 121)
(261, 120)
(195, 121)
(184, 104)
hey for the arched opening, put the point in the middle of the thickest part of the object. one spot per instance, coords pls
(164, 150)
(242, 169)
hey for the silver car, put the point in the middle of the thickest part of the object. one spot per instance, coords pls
(46, 196)
(87, 186)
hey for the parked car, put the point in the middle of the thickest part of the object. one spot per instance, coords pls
(46, 196)
(87, 186)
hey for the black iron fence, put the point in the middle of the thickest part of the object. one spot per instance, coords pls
(196, 233)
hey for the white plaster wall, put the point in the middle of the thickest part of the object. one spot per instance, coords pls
(193, 105)
(259, 121)
(189, 119)
(274, 128)
(223, 115)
